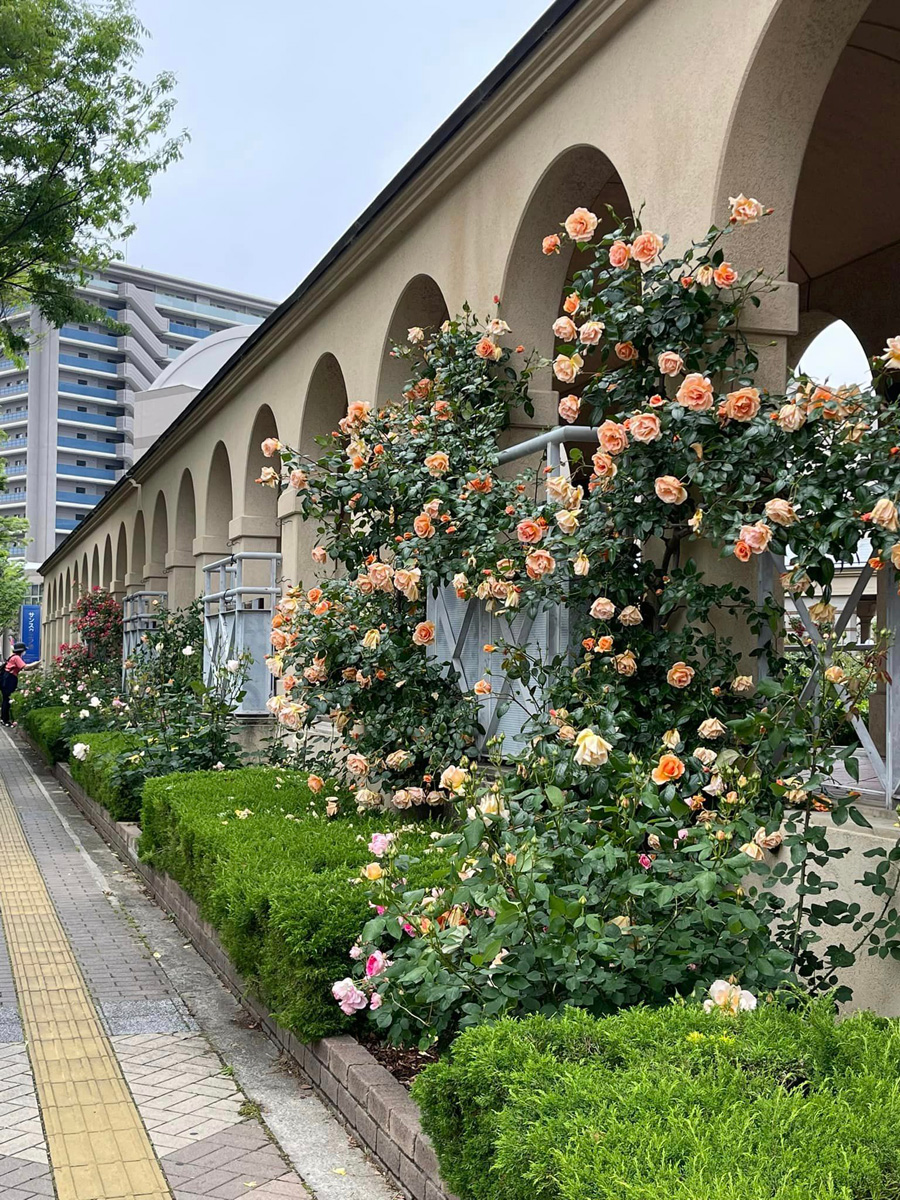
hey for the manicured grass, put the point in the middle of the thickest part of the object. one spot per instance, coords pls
(44, 725)
(98, 773)
(769, 1105)
(275, 876)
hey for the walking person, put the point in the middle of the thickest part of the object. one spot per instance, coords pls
(9, 680)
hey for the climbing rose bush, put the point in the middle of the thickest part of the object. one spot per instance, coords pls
(607, 860)
(98, 623)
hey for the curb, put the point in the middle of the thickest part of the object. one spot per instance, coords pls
(367, 1100)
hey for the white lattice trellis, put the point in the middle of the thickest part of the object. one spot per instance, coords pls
(237, 619)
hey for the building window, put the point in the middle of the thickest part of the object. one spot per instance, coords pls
(83, 382)
(82, 408)
(80, 516)
(81, 491)
(82, 354)
(82, 436)
(80, 462)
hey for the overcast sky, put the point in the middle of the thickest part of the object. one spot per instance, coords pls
(300, 113)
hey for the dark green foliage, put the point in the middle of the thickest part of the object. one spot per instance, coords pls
(45, 727)
(776, 1104)
(276, 878)
(101, 778)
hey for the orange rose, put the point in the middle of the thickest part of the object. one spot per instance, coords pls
(551, 244)
(646, 246)
(725, 276)
(488, 349)
(604, 645)
(580, 225)
(695, 393)
(742, 551)
(604, 466)
(437, 463)
(612, 437)
(539, 563)
(423, 634)
(742, 405)
(441, 410)
(423, 526)
(571, 303)
(625, 663)
(619, 254)
(529, 531)
(744, 210)
(670, 490)
(644, 427)
(668, 769)
(680, 675)
(626, 351)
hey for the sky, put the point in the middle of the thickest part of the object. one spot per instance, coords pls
(300, 112)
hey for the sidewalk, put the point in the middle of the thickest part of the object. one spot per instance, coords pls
(121, 1054)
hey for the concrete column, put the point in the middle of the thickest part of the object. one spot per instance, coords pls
(298, 537)
(155, 578)
(206, 550)
(117, 589)
(182, 576)
(133, 583)
(254, 535)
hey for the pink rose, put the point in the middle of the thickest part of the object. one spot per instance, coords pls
(376, 1000)
(644, 427)
(375, 964)
(619, 254)
(298, 479)
(564, 329)
(350, 999)
(695, 393)
(569, 408)
(551, 244)
(270, 446)
(646, 246)
(379, 843)
(670, 363)
(646, 861)
(319, 554)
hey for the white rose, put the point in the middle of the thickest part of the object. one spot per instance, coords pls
(80, 751)
(233, 665)
(95, 701)
(187, 651)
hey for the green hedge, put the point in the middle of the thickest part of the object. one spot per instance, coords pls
(769, 1105)
(283, 893)
(44, 725)
(98, 775)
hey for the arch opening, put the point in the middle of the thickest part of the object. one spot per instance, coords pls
(421, 303)
(325, 405)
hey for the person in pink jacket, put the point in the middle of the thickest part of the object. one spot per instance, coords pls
(9, 680)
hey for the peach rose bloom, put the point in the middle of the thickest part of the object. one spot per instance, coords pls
(567, 520)
(626, 351)
(742, 551)
(668, 769)
(482, 687)
(551, 244)
(742, 405)
(657, 401)
(564, 329)
(603, 609)
(571, 303)
(670, 363)
(319, 554)
(604, 644)
(582, 564)
(580, 225)
(711, 729)
(565, 368)
(895, 555)
(423, 526)
(744, 209)
(756, 536)
(488, 349)
(631, 615)
(604, 466)
(644, 427)
(406, 581)
(591, 332)
(529, 531)
(646, 246)
(613, 438)
(725, 276)
(569, 408)
(791, 417)
(381, 575)
(270, 446)
(365, 585)
(314, 595)
(891, 356)
(625, 663)
(357, 764)
(358, 412)
(441, 410)
(432, 508)
(423, 634)
(539, 563)
(680, 675)
(695, 393)
(415, 335)
(437, 463)
(298, 479)
(743, 685)
(884, 514)
(780, 511)
(269, 477)
(704, 275)
(315, 783)
(619, 254)
(670, 490)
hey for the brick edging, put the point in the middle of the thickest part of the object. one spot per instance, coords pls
(363, 1095)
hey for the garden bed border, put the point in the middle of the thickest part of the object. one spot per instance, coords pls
(370, 1103)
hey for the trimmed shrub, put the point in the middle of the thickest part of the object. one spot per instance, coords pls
(278, 880)
(776, 1104)
(101, 777)
(45, 728)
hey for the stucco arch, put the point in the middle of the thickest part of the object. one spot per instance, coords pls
(68, 591)
(219, 508)
(325, 404)
(185, 514)
(421, 303)
(159, 533)
(259, 501)
(138, 547)
(122, 553)
(534, 283)
(107, 575)
(95, 567)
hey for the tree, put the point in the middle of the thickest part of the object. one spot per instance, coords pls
(81, 138)
(13, 590)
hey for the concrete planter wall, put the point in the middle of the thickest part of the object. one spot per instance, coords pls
(372, 1105)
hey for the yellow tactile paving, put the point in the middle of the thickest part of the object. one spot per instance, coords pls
(99, 1149)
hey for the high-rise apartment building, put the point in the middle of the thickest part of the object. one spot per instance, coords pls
(69, 414)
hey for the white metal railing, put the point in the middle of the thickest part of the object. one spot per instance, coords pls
(140, 612)
(237, 620)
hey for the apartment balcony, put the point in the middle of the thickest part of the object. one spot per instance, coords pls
(17, 552)
(96, 420)
(16, 470)
(77, 498)
(18, 417)
(106, 449)
(13, 389)
(228, 316)
(10, 499)
(88, 364)
(66, 524)
(7, 365)
(110, 395)
(126, 425)
(19, 443)
(70, 471)
(190, 331)
(89, 337)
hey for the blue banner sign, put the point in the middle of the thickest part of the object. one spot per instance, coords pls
(31, 631)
